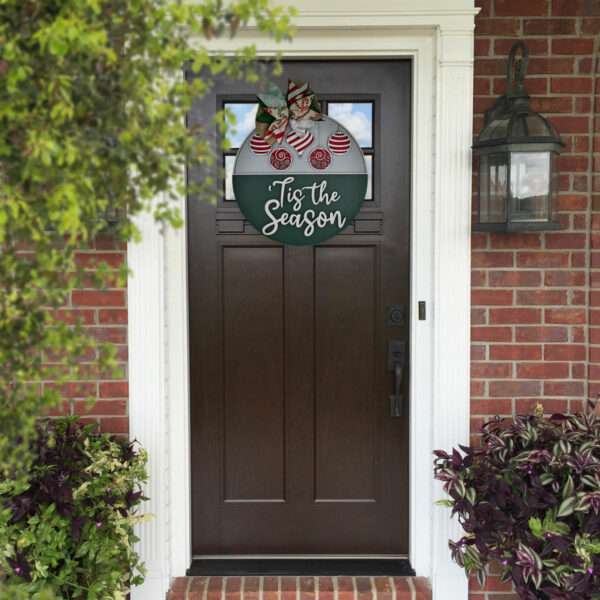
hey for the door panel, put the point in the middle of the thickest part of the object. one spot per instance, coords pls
(294, 450)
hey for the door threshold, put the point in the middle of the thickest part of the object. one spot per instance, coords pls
(237, 567)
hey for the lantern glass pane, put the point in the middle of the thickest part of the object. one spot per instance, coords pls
(493, 187)
(530, 186)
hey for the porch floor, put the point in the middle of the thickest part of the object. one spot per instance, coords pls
(299, 588)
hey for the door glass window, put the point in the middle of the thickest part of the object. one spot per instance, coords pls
(357, 118)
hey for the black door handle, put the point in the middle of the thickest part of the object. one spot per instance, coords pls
(396, 351)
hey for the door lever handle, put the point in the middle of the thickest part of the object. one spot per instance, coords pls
(396, 350)
(396, 399)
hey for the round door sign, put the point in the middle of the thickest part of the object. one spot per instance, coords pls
(300, 177)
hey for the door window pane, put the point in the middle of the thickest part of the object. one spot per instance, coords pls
(245, 114)
(229, 162)
(357, 118)
(369, 192)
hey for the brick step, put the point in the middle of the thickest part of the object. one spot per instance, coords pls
(300, 588)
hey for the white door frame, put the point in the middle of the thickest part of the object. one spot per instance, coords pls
(439, 40)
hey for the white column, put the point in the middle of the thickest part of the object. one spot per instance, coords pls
(452, 281)
(147, 402)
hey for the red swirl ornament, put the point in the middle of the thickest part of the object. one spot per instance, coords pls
(320, 158)
(281, 159)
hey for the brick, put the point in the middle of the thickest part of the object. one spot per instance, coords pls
(100, 407)
(91, 260)
(542, 297)
(564, 315)
(537, 46)
(556, 104)
(515, 352)
(573, 46)
(515, 315)
(497, 27)
(482, 47)
(549, 26)
(515, 388)
(526, 406)
(489, 66)
(477, 388)
(564, 278)
(72, 316)
(535, 85)
(112, 316)
(541, 334)
(478, 316)
(563, 388)
(491, 259)
(109, 242)
(575, 8)
(488, 370)
(114, 389)
(518, 8)
(574, 124)
(98, 298)
(558, 241)
(542, 370)
(477, 352)
(478, 278)
(491, 406)
(491, 297)
(515, 241)
(590, 26)
(542, 259)
(482, 86)
(573, 164)
(491, 334)
(78, 389)
(115, 335)
(514, 278)
(572, 201)
(563, 65)
(564, 352)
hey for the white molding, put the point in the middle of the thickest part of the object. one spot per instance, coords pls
(439, 40)
(147, 398)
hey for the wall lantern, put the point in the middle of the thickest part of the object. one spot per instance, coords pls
(517, 151)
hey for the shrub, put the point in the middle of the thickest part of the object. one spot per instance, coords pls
(529, 498)
(68, 527)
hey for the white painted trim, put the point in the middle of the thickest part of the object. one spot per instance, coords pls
(439, 41)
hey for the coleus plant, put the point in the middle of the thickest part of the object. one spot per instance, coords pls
(529, 499)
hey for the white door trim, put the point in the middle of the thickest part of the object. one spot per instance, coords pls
(439, 40)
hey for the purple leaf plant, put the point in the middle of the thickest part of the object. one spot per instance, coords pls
(528, 499)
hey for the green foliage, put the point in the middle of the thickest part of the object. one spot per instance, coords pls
(68, 528)
(92, 123)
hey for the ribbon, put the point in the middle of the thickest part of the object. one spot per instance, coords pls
(276, 112)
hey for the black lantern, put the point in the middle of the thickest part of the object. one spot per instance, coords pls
(517, 151)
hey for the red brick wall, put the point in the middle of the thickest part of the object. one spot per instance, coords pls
(104, 313)
(536, 314)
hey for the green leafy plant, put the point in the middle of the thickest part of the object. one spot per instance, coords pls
(92, 125)
(68, 527)
(529, 499)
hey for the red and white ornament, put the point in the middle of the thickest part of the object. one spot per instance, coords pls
(320, 158)
(300, 141)
(339, 143)
(258, 145)
(281, 159)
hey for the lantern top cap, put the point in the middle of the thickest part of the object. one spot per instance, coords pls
(511, 123)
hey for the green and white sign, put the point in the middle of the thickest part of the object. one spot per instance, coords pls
(303, 187)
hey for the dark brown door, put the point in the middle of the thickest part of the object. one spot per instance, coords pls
(294, 448)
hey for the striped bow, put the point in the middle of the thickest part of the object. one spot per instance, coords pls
(276, 112)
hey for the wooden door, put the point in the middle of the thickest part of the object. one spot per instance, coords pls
(294, 448)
